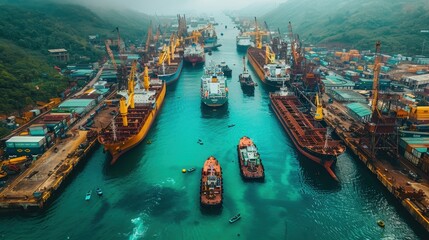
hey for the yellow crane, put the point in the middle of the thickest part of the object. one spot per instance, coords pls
(123, 103)
(9, 162)
(174, 44)
(195, 35)
(318, 116)
(164, 55)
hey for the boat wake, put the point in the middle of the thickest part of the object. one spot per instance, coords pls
(139, 229)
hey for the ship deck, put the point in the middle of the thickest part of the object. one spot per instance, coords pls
(211, 195)
(249, 172)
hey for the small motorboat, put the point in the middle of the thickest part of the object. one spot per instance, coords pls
(99, 192)
(190, 169)
(200, 142)
(231, 125)
(235, 218)
(88, 195)
(380, 223)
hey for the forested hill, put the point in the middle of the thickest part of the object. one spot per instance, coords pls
(28, 30)
(357, 24)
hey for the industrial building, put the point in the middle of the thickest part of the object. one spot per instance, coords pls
(80, 106)
(345, 95)
(359, 111)
(59, 54)
(337, 82)
(417, 81)
(367, 84)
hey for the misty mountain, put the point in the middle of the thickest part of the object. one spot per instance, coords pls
(396, 24)
(256, 9)
(29, 28)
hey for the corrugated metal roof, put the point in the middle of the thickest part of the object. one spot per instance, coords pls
(72, 103)
(416, 141)
(349, 94)
(360, 109)
(334, 80)
(28, 139)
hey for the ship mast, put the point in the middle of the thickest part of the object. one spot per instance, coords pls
(115, 138)
(244, 63)
(328, 132)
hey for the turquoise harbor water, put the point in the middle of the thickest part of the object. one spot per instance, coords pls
(146, 196)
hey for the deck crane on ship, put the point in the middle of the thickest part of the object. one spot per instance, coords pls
(170, 63)
(271, 71)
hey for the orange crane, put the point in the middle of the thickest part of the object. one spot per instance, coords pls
(376, 73)
(109, 51)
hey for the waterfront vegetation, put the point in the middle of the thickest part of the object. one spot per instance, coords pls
(28, 30)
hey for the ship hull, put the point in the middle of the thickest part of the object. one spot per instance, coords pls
(257, 61)
(325, 160)
(257, 175)
(211, 192)
(195, 59)
(172, 77)
(118, 149)
(214, 102)
(242, 48)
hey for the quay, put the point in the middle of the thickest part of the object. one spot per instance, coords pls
(412, 194)
(35, 186)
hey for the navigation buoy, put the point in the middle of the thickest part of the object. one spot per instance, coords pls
(184, 170)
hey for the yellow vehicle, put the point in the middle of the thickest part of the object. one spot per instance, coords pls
(10, 164)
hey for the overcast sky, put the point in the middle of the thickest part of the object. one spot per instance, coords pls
(161, 7)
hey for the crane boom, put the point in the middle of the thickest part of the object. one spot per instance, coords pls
(376, 73)
(112, 58)
(149, 37)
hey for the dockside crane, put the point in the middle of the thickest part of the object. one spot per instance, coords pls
(110, 53)
(122, 71)
(381, 129)
(149, 37)
(376, 72)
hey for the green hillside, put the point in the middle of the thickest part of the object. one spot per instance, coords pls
(357, 24)
(28, 30)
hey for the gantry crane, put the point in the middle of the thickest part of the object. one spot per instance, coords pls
(112, 58)
(381, 129)
(122, 71)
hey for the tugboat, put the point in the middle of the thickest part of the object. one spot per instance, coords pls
(227, 72)
(245, 78)
(99, 192)
(250, 164)
(88, 195)
(211, 186)
(235, 218)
